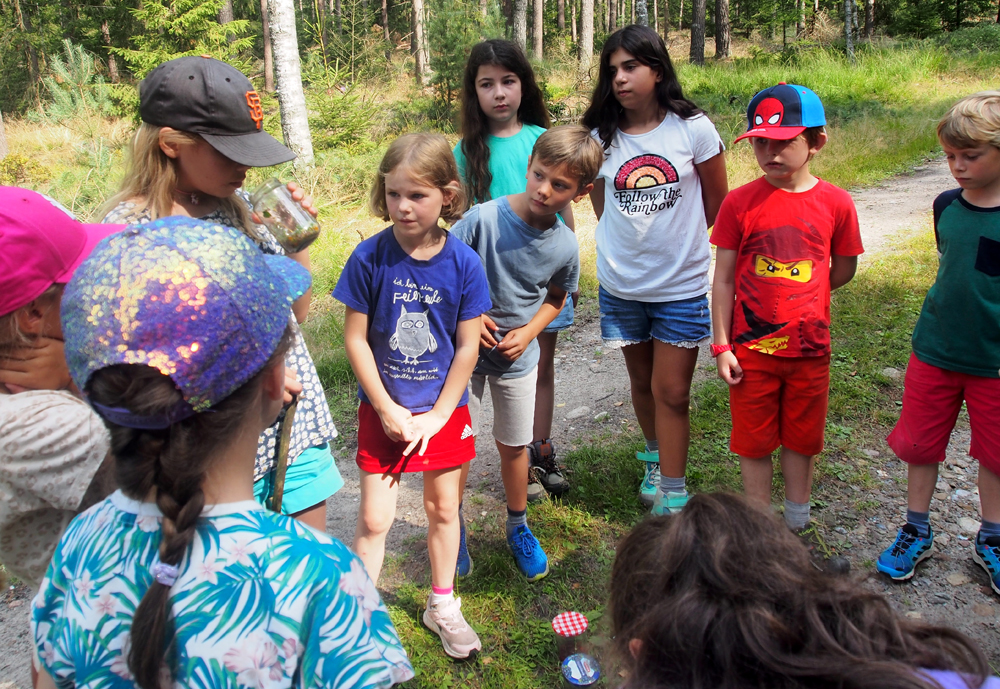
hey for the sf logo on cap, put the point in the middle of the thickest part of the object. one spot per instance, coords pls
(256, 112)
(770, 111)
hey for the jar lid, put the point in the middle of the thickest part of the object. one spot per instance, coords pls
(581, 670)
(569, 624)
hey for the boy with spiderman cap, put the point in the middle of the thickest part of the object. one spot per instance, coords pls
(784, 242)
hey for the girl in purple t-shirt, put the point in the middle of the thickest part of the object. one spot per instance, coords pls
(415, 296)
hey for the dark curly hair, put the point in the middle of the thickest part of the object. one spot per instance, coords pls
(723, 596)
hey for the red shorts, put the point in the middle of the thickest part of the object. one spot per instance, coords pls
(781, 401)
(452, 446)
(932, 398)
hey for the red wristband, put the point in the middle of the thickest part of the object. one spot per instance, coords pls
(719, 349)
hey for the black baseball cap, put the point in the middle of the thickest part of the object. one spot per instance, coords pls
(208, 97)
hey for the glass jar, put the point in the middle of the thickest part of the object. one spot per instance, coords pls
(291, 224)
(577, 666)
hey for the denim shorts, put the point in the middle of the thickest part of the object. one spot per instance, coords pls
(564, 319)
(685, 323)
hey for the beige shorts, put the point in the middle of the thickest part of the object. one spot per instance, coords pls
(513, 406)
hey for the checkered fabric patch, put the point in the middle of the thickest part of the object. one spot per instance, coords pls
(569, 624)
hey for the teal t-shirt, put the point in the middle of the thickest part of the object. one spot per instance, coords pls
(959, 324)
(508, 160)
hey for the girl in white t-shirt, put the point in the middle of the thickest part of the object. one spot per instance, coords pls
(661, 185)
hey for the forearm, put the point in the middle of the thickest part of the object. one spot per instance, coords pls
(723, 300)
(842, 270)
(300, 307)
(362, 361)
(568, 218)
(457, 380)
(546, 313)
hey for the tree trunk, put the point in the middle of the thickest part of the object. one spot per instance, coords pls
(112, 62)
(338, 16)
(632, 12)
(698, 32)
(521, 23)
(291, 98)
(666, 19)
(848, 28)
(641, 12)
(612, 16)
(226, 15)
(385, 31)
(572, 21)
(268, 52)
(722, 37)
(869, 19)
(3, 140)
(656, 17)
(538, 20)
(586, 35)
(25, 23)
(561, 15)
(421, 59)
(680, 15)
(800, 20)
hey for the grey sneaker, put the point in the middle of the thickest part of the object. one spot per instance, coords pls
(535, 490)
(543, 458)
(445, 619)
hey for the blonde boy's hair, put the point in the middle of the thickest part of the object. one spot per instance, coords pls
(152, 178)
(972, 121)
(573, 146)
(429, 159)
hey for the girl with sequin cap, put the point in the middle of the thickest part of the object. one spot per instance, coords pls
(200, 133)
(176, 332)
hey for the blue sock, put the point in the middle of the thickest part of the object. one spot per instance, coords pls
(921, 521)
(516, 519)
(652, 446)
(796, 514)
(988, 529)
(673, 485)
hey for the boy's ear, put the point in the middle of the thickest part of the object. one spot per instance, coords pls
(583, 191)
(635, 648)
(448, 192)
(820, 143)
(171, 149)
(273, 384)
(527, 170)
(31, 319)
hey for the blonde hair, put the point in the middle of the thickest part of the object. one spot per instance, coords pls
(11, 335)
(428, 158)
(573, 146)
(972, 121)
(151, 179)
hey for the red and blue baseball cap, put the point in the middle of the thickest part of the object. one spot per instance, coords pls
(783, 112)
(198, 301)
(41, 244)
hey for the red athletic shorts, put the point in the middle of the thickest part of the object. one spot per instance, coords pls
(781, 401)
(932, 399)
(452, 446)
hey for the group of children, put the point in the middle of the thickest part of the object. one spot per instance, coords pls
(182, 335)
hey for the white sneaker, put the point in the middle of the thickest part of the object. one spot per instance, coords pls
(445, 619)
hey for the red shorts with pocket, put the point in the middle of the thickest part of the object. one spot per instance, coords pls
(452, 446)
(932, 398)
(781, 401)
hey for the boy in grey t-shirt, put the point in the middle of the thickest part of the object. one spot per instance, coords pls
(532, 261)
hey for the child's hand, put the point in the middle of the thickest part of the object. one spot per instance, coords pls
(292, 385)
(514, 343)
(425, 427)
(305, 201)
(576, 298)
(397, 422)
(40, 365)
(729, 368)
(486, 331)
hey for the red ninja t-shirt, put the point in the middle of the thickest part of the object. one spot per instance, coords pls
(785, 241)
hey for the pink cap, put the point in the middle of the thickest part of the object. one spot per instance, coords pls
(41, 244)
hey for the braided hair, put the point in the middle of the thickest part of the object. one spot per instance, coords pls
(169, 465)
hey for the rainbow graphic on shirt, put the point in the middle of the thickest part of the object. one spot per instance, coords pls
(645, 171)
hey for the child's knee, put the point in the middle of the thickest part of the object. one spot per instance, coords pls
(676, 398)
(377, 521)
(442, 510)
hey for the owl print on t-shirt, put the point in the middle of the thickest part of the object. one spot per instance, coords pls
(413, 336)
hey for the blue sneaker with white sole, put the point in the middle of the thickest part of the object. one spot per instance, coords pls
(528, 553)
(651, 479)
(900, 560)
(464, 566)
(668, 503)
(987, 555)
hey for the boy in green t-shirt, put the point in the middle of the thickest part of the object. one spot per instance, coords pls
(956, 343)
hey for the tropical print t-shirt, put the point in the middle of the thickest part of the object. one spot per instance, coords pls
(261, 601)
(313, 424)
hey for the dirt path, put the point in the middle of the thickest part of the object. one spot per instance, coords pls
(592, 399)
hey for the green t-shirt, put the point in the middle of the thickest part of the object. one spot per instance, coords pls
(959, 324)
(508, 160)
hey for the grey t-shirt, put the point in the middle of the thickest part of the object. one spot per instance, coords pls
(520, 262)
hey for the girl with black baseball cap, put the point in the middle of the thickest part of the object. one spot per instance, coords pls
(201, 131)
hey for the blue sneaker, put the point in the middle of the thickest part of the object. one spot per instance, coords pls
(651, 481)
(669, 503)
(987, 555)
(464, 566)
(528, 553)
(900, 560)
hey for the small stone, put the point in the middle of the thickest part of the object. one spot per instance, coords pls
(484, 513)
(880, 527)
(15, 604)
(968, 525)
(840, 530)
(940, 598)
(892, 373)
(603, 416)
(578, 412)
(984, 610)
(942, 540)
(957, 579)
(962, 493)
(872, 453)
(914, 615)
(595, 368)
(940, 496)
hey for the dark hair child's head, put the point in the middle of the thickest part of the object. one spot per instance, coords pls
(646, 46)
(722, 595)
(475, 125)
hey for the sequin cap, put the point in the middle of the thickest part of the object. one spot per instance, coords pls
(195, 300)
